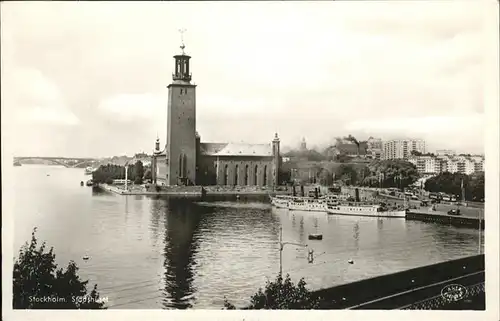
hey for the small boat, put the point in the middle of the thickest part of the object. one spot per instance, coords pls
(350, 261)
(81, 183)
(315, 236)
(90, 183)
(89, 170)
(86, 257)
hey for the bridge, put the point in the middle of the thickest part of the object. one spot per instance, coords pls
(69, 162)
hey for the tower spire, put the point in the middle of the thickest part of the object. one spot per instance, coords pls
(182, 73)
(182, 30)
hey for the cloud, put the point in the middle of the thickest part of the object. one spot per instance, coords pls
(52, 116)
(32, 98)
(300, 68)
(418, 125)
(133, 107)
(462, 132)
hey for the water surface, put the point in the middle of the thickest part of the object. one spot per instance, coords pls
(153, 253)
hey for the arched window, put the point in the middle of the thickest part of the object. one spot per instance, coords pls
(255, 175)
(236, 182)
(181, 162)
(184, 166)
(265, 176)
(226, 174)
(246, 175)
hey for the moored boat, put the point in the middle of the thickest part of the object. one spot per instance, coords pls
(90, 182)
(89, 171)
(281, 201)
(307, 204)
(316, 236)
(364, 209)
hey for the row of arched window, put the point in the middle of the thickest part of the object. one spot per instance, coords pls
(249, 177)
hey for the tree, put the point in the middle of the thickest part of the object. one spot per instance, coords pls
(39, 284)
(281, 294)
(392, 173)
(347, 174)
(148, 174)
(451, 183)
(325, 177)
(139, 172)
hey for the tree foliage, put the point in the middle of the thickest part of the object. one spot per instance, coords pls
(309, 155)
(39, 284)
(139, 172)
(281, 294)
(109, 172)
(450, 183)
(347, 174)
(390, 173)
(148, 174)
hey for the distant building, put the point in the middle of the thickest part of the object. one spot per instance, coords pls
(402, 148)
(374, 148)
(446, 163)
(344, 147)
(187, 161)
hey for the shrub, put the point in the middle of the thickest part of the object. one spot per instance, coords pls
(281, 294)
(38, 284)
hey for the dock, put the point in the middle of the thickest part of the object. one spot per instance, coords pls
(194, 192)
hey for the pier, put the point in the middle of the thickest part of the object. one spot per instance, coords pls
(445, 218)
(196, 192)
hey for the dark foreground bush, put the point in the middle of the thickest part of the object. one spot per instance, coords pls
(39, 284)
(281, 294)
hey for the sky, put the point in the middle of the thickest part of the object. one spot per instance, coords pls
(88, 79)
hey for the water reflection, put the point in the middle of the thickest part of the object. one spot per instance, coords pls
(182, 222)
(356, 236)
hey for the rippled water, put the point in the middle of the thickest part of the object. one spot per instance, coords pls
(154, 253)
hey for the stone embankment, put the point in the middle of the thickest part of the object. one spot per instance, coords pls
(196, 191)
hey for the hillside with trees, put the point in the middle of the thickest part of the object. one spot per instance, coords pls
(386, 173)
(390, 173)
(451, 183)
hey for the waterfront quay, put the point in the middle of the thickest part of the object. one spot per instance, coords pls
(444, 218)
(469, 217)
(196, 192)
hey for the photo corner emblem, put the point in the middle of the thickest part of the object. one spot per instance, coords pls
(454, 292)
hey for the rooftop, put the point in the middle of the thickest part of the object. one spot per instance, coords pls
(236, 149)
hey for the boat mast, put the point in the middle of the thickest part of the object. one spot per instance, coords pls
(480, 212)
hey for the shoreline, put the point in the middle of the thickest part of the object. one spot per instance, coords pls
(188, 192)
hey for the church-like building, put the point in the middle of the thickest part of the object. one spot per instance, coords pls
(185, 160)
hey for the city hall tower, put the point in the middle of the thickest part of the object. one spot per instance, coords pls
(181, 125)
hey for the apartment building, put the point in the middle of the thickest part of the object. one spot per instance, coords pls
(402, 148)
(445, 163)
